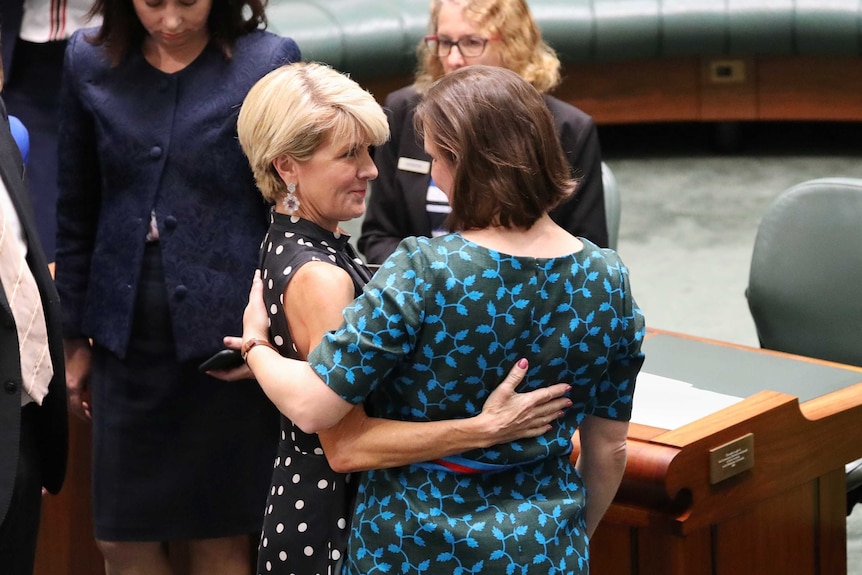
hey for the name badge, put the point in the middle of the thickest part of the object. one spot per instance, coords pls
(414, 165)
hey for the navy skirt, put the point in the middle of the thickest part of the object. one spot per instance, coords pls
(176, 454)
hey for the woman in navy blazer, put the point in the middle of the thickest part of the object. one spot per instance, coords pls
(504, 33)
(159, 224)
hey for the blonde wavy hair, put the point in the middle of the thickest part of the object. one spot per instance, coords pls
(522, 49)
(294, 109)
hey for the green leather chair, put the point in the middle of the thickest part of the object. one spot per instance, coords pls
(806, 277)
(613, 205)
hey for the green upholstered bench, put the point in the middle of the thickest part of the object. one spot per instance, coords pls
(631, 60)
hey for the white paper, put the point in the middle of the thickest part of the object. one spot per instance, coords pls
(670, 403)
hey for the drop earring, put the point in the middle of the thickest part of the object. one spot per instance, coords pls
(290, 201)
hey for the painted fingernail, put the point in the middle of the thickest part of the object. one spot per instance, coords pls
(522, 363)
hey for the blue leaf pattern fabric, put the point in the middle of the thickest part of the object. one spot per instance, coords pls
(438, 326)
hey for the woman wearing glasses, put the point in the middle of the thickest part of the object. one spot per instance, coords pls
(404, 200)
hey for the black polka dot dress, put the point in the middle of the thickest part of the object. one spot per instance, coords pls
(309, 506)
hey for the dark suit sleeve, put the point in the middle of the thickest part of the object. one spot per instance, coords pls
(52, 416)
(386, 220)
(584, 214)
(79, 194)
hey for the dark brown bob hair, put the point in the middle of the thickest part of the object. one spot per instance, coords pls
(495, 131)
(122, 31)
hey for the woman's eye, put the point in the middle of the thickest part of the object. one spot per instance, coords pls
(471, 42)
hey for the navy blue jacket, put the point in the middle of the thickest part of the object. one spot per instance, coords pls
(397, 206)
(134, 139)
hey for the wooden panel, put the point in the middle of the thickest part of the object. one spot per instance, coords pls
(775, 536)
(381, 87)
(729, 99)
(810, 88)
(661, 553)
(634, 91)
(66, 543)
(831, 538)
(611, 550)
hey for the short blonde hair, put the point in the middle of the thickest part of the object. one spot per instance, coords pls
(522, 49)
(294, 109)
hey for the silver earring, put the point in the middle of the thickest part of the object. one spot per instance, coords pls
(290, 201)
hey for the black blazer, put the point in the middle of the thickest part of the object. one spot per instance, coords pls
(52, 423)
(396, 205)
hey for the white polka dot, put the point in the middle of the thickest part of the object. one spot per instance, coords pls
(296, 478)
(288, 461)
(269, 509)
(273, 309)
(288, 234)
(302, 527)
(279, 249)
(332, 258)
(268, 566)
(270, 283)
(269, 247)
(336, 554)
(300, 504)
(281, 489)
(309, 551)
(283, 555)
(331, 250)
(272, 491)
(342, 523)
(318, 451)
(279, 341)
(337, 235)
(264, 542)
(287, 270)
(322, 484)
(294, 219)
(279, 528)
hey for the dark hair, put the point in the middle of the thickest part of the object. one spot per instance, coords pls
(122, 31)
(495, 131)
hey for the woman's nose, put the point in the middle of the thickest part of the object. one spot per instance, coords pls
(172, 18)
(369, 169)
(455, 59)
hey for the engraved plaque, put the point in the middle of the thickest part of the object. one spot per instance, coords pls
(731, 459)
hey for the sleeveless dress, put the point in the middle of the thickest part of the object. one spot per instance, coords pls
(309, 506)
(440, 323)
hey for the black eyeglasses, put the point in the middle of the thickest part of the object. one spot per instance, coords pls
(468, 46)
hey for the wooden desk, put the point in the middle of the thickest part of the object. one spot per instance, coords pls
(784, 515)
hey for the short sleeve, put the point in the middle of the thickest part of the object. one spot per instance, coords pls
(379, 329)
(615, 392)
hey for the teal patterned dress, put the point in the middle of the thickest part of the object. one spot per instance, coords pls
(438, 326)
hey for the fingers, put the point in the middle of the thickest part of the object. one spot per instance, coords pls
(232, 342)
(515, 375)
(79, 408)
(557, 390)
(256, 291)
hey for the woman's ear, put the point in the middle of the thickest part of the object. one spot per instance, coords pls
(286, 168)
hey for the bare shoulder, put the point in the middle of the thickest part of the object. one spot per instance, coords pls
(320, 280)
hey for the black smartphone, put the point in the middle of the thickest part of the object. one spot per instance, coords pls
(225, 359)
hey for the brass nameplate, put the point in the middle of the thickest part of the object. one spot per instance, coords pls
(731, 459)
